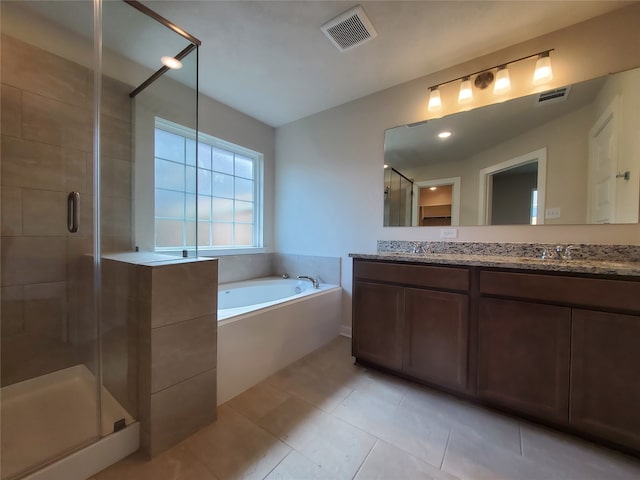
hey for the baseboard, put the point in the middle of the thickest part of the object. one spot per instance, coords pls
(345, 331)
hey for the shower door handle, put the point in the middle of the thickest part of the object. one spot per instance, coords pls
(73, 201)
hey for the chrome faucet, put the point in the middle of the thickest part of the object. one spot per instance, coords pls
(567, 251)
(559, 253)
(314, 281)
(418, 247)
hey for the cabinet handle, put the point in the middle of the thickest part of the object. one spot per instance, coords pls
(73, 201)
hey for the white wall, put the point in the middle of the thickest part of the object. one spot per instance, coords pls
(329, 175)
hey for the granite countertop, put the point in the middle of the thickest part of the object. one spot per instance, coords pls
(591, 266)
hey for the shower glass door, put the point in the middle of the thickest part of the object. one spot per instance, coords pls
(74, 178)
(50, 369)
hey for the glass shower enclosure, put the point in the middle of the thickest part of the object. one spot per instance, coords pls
(398, 199)
(72, 73)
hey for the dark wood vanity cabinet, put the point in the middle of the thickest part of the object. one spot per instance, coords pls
(562, 348)
(436, 337)
(523, 357)
(402, 321)
(605, 375)
(378, 324)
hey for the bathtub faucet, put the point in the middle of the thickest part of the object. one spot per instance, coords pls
(314, 281)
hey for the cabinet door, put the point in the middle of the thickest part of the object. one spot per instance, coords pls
(377, 324)
(523, 357)
(605, 376)
(436, 337)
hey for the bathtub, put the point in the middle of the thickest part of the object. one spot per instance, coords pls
(268, 323)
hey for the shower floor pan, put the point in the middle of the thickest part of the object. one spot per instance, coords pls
(46, 417)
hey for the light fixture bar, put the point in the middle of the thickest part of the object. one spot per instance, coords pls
(538, 54)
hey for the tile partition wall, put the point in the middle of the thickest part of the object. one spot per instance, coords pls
(235, 268)
(174, 306)
(47, 129)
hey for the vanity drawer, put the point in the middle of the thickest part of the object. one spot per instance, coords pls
(591, 292)
(415, 275)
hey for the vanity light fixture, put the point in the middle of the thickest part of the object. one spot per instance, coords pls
(503, 82)
(466, 91)
(435, 102)
(543, 74)
(444, 134)
(171, 62)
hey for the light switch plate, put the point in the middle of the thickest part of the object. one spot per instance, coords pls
(552, 213)
(448, 233)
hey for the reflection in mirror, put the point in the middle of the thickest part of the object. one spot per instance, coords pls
(567, 156)
(398, 193)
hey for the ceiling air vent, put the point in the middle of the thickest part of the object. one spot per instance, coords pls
(350, 29)
(554, 96)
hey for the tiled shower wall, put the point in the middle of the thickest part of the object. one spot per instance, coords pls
(47, 138)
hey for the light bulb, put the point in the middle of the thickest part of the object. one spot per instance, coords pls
(466, 94)
(435, 102)
(171, 62)
(543, 72)
(503, 82)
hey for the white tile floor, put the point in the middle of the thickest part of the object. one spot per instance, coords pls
(325, 418)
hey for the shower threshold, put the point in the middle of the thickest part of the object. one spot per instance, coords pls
(46, 417)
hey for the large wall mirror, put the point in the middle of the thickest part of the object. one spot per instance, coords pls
(567, 156)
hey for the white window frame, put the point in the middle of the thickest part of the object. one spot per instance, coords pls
(258, 193)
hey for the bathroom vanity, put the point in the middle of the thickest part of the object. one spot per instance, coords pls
(554, 341)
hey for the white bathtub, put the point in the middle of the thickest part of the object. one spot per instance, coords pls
(259, 333)
(242, 297)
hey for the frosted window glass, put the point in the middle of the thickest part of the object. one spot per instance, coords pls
(204, 207)
(244, 234)
(191, 179)
(169, 146)
(204, 234)
(191, 152)
(222, 209)
(169, 233)
(190, 234)
(222, 161)
(222, 185)
(244, 167)
(169, 175)
(190, 207)
(204, 182)
(205, 191)
(244, 212)
(169, 203)
(244, 189)
(222, 234)
(204, 156)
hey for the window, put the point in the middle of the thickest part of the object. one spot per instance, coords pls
(534, 206)
(217, 201)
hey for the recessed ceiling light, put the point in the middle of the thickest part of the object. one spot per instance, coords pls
(433, 188)
(171, 62)
(444, 134)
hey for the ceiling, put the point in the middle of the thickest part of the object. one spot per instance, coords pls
(270, 60)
